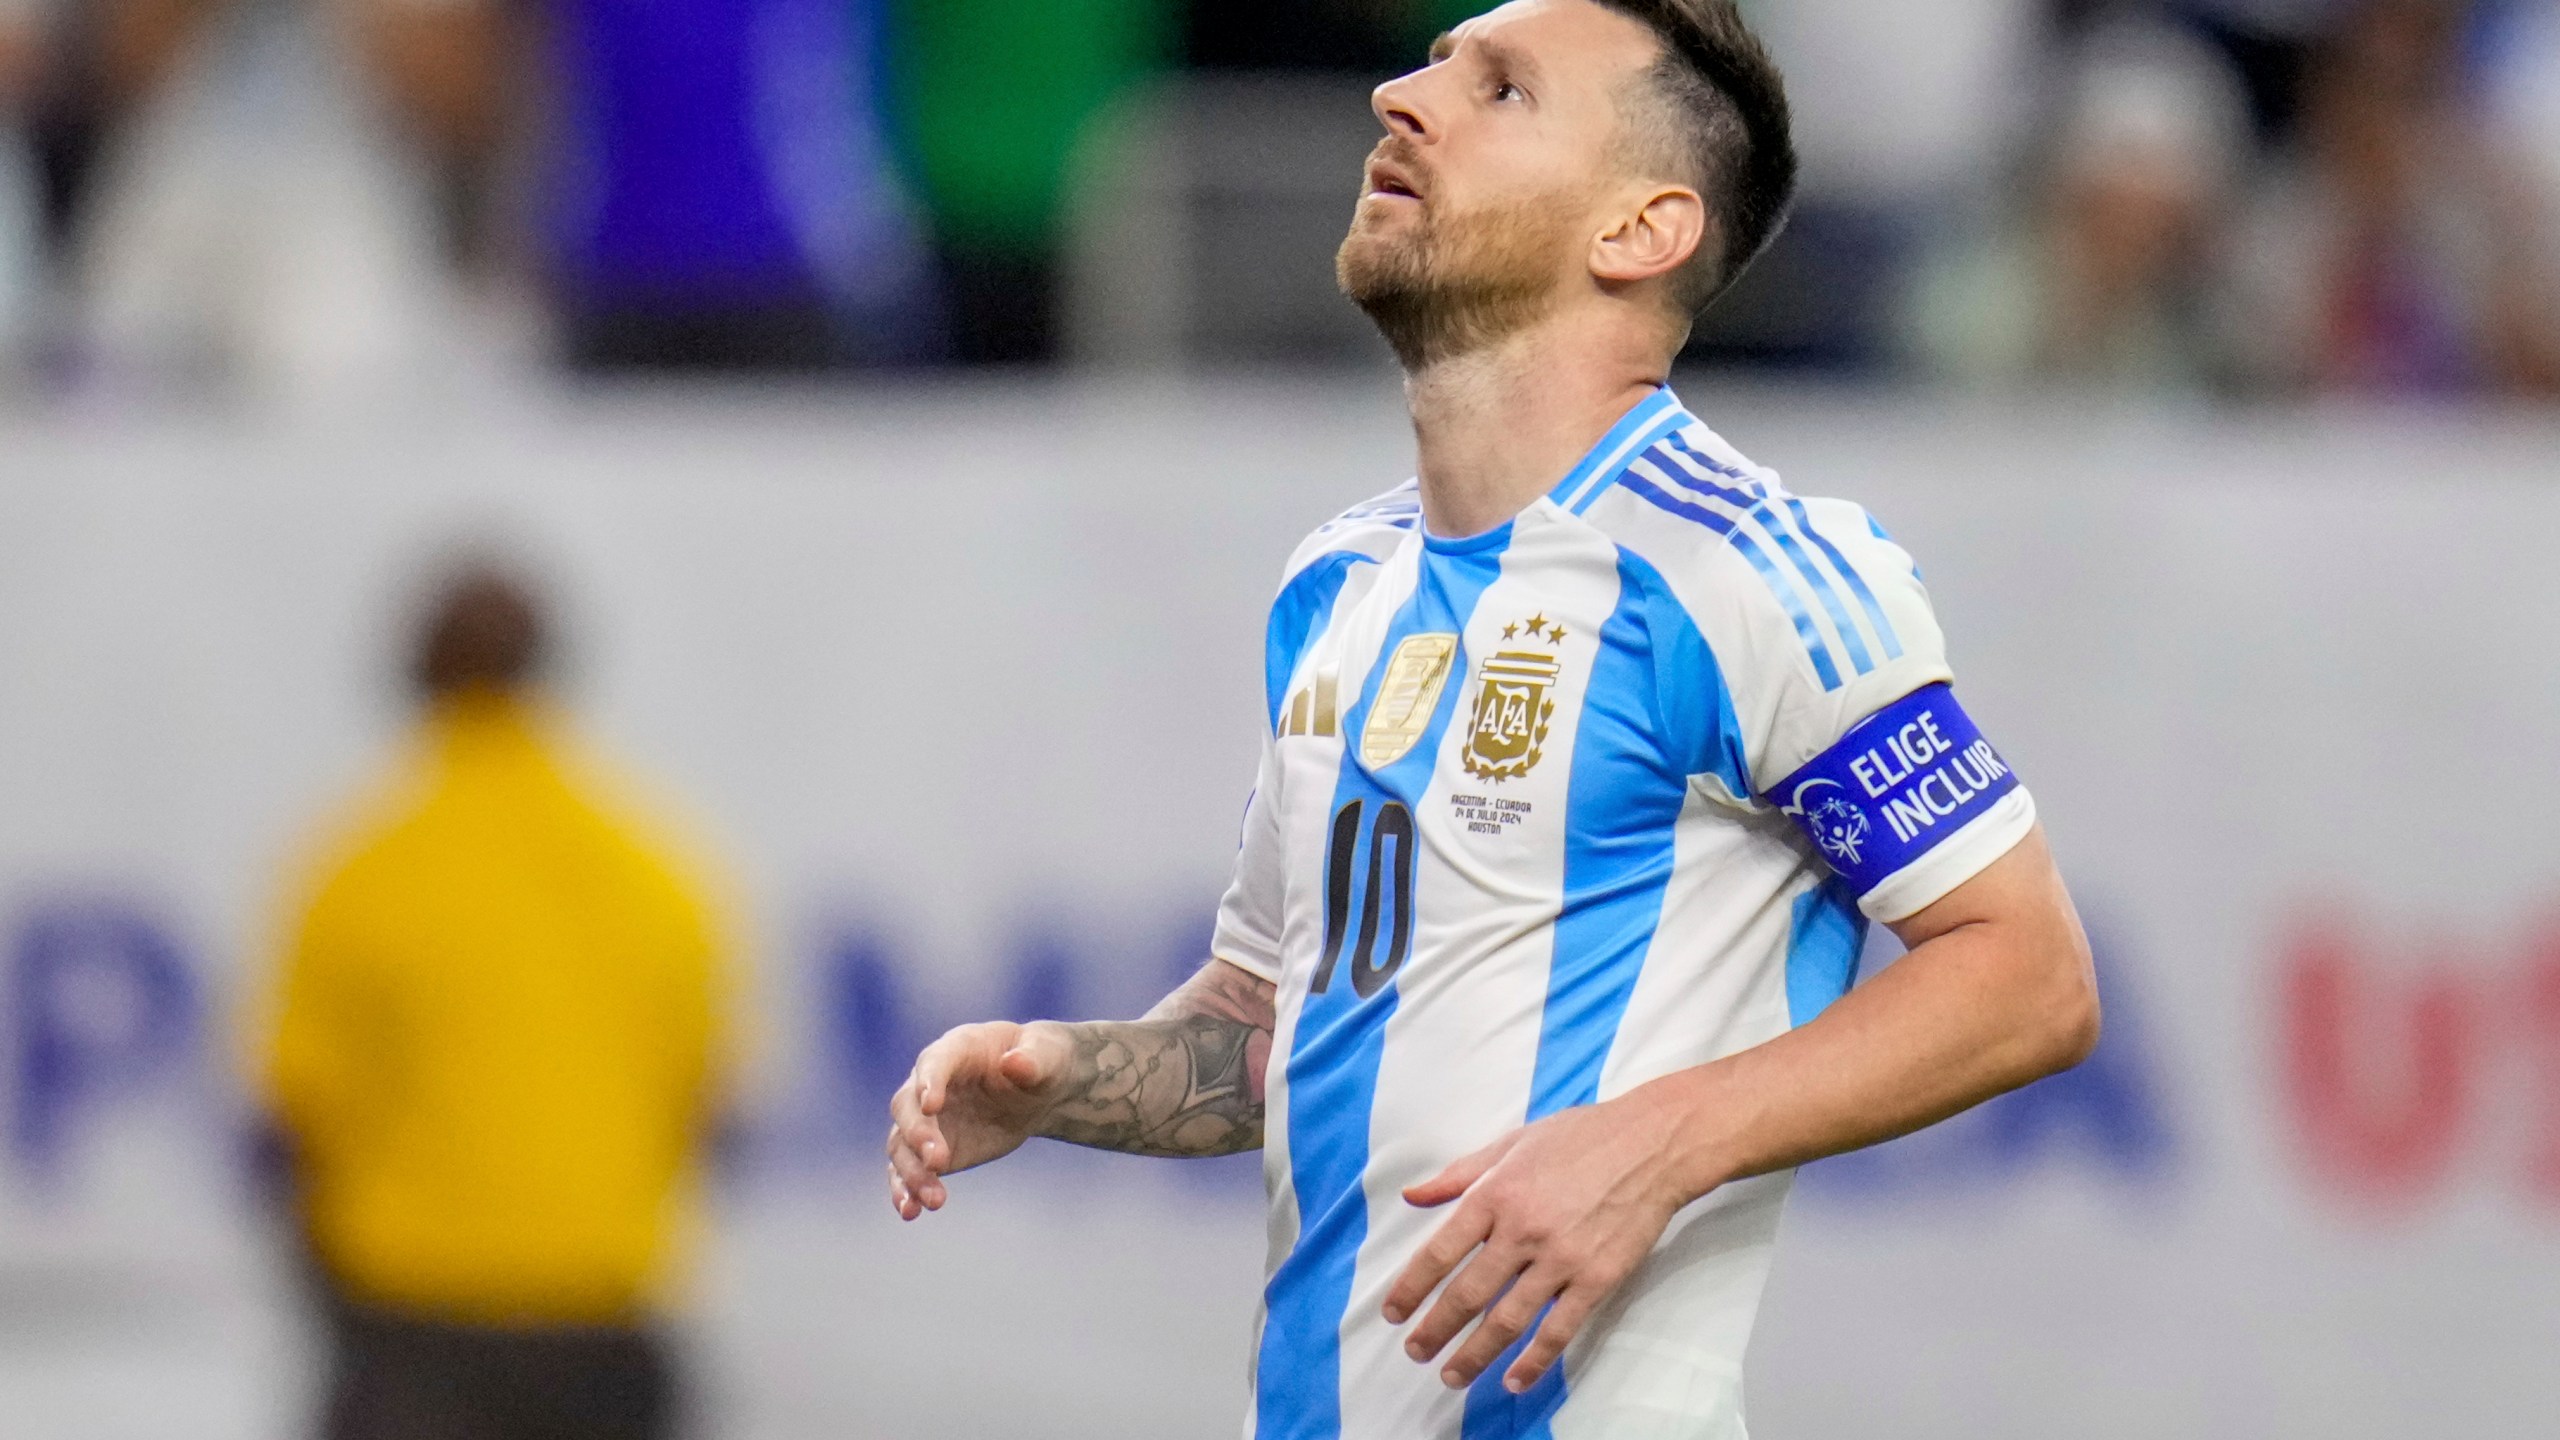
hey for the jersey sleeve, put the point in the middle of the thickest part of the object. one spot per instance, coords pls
(1844, 701)
(1249, 914)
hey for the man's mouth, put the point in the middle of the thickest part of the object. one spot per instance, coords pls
(1387, 179)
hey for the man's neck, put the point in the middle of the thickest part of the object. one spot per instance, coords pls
(1498, 427)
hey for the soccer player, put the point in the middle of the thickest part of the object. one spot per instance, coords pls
(1592, 751)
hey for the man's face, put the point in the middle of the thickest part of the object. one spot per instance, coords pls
(1478, 209)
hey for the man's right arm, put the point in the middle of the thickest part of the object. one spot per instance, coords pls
(1184, 1080)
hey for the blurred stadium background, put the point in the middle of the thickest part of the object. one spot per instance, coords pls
(910, 403)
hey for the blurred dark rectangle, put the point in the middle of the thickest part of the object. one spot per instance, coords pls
(1821, 300)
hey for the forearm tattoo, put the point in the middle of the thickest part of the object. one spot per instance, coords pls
(1186, 1080)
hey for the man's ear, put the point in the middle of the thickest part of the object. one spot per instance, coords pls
(1658, 236)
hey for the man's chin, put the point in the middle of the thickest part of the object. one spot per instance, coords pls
(1369, 263)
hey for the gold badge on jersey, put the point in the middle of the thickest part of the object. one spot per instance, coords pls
(1407, 694)
(1506, 734)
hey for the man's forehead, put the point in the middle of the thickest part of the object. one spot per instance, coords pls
(1556, 34)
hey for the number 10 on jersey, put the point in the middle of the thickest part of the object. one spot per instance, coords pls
(1384, 898)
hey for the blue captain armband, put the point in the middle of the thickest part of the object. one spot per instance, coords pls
(1896, 787)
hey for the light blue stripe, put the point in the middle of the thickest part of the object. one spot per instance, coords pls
(1806, 631)
(1617, 445)
(1303, 602)
(1841, 624)
(1699, 732)
(1335, 1052)
(1823, 943)
(1493, 1413)
(1857, 583)
(1668, 425)
(1694, 460)
(1756, 500)
(1623, 800)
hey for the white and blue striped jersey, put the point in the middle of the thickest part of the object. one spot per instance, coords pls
(1547, 813)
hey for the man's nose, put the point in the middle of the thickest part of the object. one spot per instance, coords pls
(1399, 109)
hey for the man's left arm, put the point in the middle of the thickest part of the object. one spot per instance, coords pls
(1997, 991)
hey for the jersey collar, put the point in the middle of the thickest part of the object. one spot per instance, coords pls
(1653, 417)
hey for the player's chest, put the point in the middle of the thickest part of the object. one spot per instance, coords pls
(1462, 680)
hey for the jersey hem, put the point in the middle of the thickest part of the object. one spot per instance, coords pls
(1269, 974)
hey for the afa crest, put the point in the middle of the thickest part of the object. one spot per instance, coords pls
(1508, 730)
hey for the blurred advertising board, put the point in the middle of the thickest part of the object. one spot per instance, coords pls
(960, 685)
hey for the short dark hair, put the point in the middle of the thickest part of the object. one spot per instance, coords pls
(484, 630)
(1725, 124)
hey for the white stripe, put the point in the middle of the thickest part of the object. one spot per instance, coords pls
(1672, 1363)
(1715, 982)
(1774, 494)
(1758, 529)
(1771, 504)
(1666, 1357)
(1777, 496)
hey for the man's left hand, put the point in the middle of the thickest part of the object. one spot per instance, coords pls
(1561, 1212)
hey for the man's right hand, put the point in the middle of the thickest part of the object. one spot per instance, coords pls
(1185, 1079)
(974, 1096)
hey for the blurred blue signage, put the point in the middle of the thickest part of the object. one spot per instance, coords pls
(2381, 1071)
(102, 1004)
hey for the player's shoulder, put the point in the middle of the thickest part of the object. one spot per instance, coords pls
(1794, 595)
(1370, 531)
(1716, 524)
(1692, 502)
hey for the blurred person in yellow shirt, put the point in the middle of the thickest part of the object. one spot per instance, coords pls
(496, 1054)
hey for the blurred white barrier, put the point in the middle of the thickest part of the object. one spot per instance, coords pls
(964, 682)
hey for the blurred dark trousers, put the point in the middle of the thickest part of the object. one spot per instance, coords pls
(399, 1378)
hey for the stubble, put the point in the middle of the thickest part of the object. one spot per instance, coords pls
(1440, 285)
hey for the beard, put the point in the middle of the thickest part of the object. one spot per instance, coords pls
(1440, 285)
